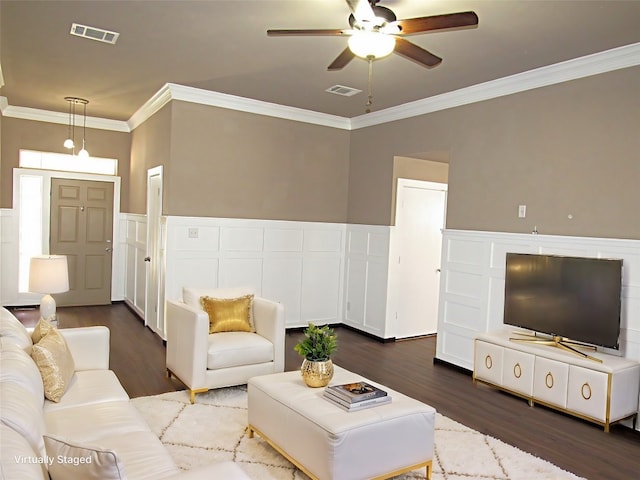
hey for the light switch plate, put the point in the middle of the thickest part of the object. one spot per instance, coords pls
(522, 211)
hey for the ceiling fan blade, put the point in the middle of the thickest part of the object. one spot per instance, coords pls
(308, 32)
(437, 22)
(361, 10)
(341, 60)
(415, 53)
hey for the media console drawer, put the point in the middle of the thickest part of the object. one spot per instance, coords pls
(603, 393)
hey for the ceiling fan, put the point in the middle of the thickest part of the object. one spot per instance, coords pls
(376, 32)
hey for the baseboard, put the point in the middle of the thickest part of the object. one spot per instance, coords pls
(348, 327)
(437, 361)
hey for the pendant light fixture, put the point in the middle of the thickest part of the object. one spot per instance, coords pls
(83, 153)
(70, 141)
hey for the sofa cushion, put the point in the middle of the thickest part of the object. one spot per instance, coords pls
(89, 387)
(54, 360)
(89, 423)
(228, 314)
(23, 413)
(13, 330)
(144, 456)
(75, 461)
(231, 349)
(18, 459)
(19, 368)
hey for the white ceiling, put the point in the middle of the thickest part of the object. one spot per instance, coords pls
(222, 46)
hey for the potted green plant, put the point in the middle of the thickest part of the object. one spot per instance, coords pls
(316, 347)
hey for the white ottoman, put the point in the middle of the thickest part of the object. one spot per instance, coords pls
(326, 442)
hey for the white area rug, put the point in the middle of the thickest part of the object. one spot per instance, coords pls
(214, 429)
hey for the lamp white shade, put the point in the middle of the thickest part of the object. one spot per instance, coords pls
(48, 274)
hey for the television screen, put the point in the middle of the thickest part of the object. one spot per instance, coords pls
(572, 297)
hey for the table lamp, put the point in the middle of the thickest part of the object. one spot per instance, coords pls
(48, 274)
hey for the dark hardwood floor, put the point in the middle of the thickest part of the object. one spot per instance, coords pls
(137, 357)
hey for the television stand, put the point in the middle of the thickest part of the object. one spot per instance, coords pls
(556, 341)
(601, 392)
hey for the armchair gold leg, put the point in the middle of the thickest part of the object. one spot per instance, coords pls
(192, 394)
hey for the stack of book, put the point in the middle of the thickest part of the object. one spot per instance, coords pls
(356, 396)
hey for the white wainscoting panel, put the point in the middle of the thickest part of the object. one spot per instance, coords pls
(133, 239)
(472, 285)
(366, 278)
(9, 256)
(300, 264)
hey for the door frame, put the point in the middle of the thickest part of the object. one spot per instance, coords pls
(394, 270)
(26, 298)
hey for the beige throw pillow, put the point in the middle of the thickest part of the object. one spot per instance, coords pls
(73, 461)
(54, 360)
(229, 314)
(40, 330)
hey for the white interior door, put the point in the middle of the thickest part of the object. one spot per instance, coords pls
(417, 245)
(154, 318)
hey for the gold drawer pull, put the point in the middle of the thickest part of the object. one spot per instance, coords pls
(586, 387)
(517, 370)
(548, 380)
(488, 362)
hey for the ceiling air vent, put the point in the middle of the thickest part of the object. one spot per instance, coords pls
(94, 33)
(342, 90)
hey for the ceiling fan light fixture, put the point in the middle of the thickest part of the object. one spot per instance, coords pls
(365, 44)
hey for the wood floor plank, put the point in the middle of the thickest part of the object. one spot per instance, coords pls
(138, 356)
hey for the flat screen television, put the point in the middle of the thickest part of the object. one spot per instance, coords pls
(572, 297)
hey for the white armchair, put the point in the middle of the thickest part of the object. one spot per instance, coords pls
(204, 361)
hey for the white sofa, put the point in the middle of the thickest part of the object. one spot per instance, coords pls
(204, 361)
(94, 422)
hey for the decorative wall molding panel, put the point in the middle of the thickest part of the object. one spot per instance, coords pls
(472, 285)
(133, 240)
(8, 256)
(300, 264)
(366, 279)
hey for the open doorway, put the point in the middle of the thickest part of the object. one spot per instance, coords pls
(418, 217)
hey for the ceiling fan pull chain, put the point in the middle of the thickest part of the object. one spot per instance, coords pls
(370, 93)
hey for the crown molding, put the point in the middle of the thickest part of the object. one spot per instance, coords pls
(258, 107)
(35, 114)
(151, 106)
(172, 91)
(609, 60)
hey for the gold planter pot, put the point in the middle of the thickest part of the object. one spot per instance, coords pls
(317, 374)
